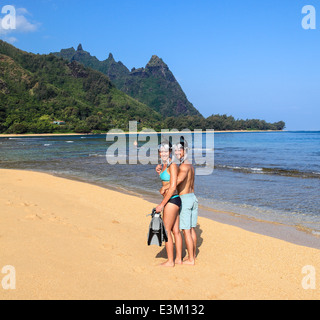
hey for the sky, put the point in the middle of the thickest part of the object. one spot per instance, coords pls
(249, 59)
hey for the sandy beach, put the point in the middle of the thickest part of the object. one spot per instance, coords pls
(72, 240)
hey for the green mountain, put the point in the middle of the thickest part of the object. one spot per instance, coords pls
(45, 93)
(154, 85)
(36, 90)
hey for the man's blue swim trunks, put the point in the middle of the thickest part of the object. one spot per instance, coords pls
(188, 211)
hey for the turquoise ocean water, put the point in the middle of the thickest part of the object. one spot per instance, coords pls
(272, 176)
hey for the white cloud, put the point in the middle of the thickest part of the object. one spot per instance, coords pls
(25, 26)
(22, 11)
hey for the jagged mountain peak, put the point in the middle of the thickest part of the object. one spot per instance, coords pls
(110, 57)
(155, 61)
(80, 47)
(154, 85)
(72, 93)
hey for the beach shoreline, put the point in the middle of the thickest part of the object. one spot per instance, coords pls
(289, 233)
(90, 134)
(73, 240)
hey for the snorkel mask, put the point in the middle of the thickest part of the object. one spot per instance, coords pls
(165, 147)
(181, 146)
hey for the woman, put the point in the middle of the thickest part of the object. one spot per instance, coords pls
(170, 205)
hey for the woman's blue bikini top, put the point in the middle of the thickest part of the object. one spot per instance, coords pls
(165, 176)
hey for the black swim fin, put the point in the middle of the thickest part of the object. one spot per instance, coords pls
(157, 232)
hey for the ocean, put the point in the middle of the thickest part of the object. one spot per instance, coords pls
(269, 176)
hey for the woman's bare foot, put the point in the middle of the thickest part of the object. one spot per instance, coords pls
(188, 262)
(167, 264)
(178, 261)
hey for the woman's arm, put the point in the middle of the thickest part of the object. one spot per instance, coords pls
(172, 188)
(159, 168)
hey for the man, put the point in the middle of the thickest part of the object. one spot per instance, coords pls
(189, 208)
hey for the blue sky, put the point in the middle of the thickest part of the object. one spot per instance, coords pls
(249, 59)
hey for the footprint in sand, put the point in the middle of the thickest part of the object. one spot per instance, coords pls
(54, 218)
(27, 204)
(32, 217)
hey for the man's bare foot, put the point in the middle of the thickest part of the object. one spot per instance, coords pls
(167, 264)
(188, 262)
(178, 261)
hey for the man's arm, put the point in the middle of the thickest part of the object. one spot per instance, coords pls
(183, 173)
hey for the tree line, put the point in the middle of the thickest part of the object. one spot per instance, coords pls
(221, 123)
(98, 123)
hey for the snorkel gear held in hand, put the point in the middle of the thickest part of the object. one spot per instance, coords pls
(157, 232)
